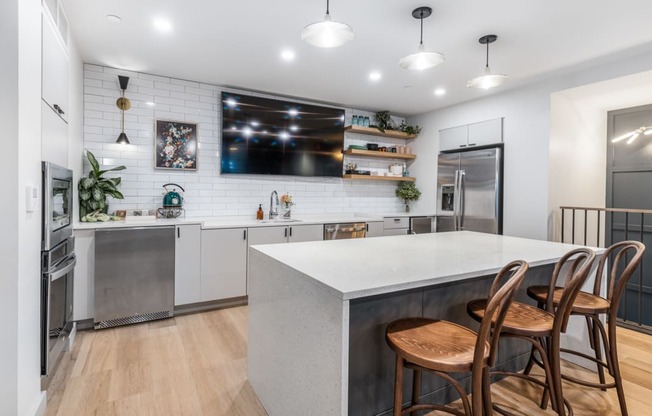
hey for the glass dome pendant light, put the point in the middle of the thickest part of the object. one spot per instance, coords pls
(488, 80)
(421, 59)
(327, 33)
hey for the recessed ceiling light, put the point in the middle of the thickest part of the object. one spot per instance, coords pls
(375, 76)
(164, 25)
(440, 91)
(287, 55)
(293, 112)
(113, 18)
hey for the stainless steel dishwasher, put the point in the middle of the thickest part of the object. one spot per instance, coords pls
(134, 275)
(345, 231)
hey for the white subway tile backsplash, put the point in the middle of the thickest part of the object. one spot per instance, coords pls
(208, 193)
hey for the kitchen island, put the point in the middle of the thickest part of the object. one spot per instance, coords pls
(318, 312)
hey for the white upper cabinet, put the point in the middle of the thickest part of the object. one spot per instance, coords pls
(486, 132)
(54, 87)
(54, 137)
(470, 135)
(453, 138)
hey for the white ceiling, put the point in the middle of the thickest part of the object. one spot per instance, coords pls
(238, 43)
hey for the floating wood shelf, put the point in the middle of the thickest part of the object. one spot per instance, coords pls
(380, 178)
(376, 153)
(372, 131)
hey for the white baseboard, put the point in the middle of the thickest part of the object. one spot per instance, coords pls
(40, 409)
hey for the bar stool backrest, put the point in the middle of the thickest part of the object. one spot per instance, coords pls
(626, 255)
(500, 297)
(579, 262)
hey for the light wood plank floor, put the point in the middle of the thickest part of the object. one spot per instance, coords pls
(196, 365)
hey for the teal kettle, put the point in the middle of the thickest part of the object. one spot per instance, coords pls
(172, 199)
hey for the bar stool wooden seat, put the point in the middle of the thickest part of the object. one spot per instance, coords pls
(626, 257)
(442, 347)
(542, 328)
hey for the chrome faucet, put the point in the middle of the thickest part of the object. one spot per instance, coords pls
(273, 205)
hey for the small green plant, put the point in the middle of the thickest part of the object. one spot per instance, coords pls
(407, 191)
(94, 189)
(384, 122)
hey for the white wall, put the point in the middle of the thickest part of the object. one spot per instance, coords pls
(577, 170)
(9, 211)
(207, 192)
(527, 139)
(29, 394)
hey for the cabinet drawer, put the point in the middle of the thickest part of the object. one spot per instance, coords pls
(396, 222)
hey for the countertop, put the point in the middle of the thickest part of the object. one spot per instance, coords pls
(230, 222)
(372, 266)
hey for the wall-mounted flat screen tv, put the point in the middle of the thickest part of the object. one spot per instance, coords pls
(274, 137)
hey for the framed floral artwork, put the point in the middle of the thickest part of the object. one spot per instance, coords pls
(176, 145)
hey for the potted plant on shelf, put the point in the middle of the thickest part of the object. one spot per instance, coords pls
(93, 190)
(384, 122)
(407, 191)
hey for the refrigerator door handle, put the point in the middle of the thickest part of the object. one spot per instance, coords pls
(461, 200)
(456, 199)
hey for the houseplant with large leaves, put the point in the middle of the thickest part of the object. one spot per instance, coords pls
(94, 188)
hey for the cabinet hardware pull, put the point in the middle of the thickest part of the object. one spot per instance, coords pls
(244, 236)
(471, 144)
(462, 145)
(397, 219)
(59, 109)
(286, 231)
(367, 227)
(178, 232)
(290, 231)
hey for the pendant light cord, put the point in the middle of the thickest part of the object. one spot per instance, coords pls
(487, 65)
(327, 7)
(421, 42)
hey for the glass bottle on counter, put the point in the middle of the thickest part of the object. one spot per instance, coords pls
(260, 214)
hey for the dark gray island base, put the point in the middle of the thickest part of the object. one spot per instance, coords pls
(371, 362)
(318, 313)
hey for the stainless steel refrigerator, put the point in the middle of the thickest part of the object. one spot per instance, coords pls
(470, 190)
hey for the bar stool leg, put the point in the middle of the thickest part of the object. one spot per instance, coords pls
(613, 354)
(486, 392)
(416, 389)
(596, 344)
(398, 386)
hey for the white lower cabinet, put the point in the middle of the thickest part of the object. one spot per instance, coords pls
(302, 233)
(375, 229)
(286, 234)
(187, 260)
(223, 263)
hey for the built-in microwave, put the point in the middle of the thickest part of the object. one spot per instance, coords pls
(57, 205)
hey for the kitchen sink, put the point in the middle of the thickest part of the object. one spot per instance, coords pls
(279, 221)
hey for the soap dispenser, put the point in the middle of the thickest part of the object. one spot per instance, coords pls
(260, 214)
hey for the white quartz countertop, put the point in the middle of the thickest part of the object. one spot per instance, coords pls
(372, 266)
(230, 222)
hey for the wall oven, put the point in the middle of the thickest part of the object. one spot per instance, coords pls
(57, 265)
(57, 205)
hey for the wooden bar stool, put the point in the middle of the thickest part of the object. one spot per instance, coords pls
(543, 328)
(592, 305)
(443, 347)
